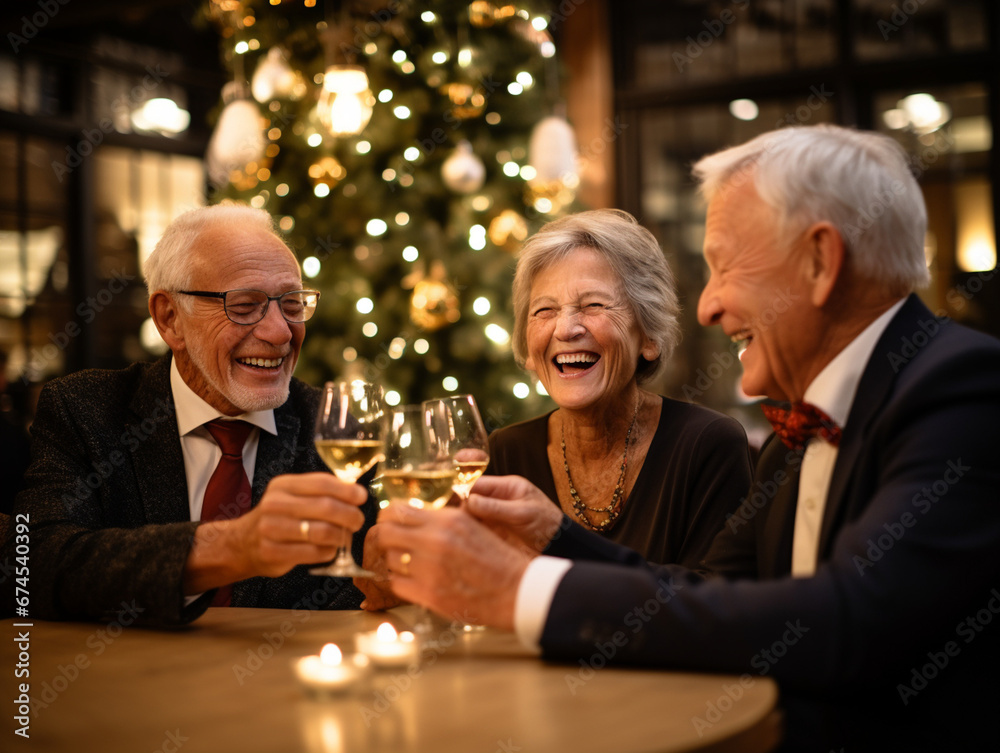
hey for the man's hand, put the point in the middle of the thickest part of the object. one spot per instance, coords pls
(272, 538)
(516, 510)
(378, 592)
(450, 562)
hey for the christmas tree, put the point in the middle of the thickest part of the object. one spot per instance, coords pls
(392, 143)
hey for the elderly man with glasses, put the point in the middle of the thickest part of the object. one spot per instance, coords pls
(164, 488)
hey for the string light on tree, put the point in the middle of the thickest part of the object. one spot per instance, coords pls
(402, 213)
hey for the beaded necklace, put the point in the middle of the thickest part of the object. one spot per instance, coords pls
(614, 509)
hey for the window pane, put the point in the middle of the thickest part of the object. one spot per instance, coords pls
(704, 367)
(36, 317)
(137, 193)
(885, 29)
(704, 40)
(947, 133)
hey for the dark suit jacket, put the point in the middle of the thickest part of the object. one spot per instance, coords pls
(107, 499)
(893, 644)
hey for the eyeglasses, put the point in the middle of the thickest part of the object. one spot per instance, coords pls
(250, 306)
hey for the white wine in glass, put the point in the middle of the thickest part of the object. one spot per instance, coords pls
(416, 471)
(419, 488)
(458, 430)
(349, 458)
(350, 439)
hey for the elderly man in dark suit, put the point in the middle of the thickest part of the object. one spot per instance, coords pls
(138, 501)
(862, 571)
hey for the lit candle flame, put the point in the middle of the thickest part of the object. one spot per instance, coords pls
(385, 633)
(331, 655)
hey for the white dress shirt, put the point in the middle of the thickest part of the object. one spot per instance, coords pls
(201, 453)
(833, 391)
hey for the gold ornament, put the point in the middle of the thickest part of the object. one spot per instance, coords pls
(550, 197)
(326, 170)
(482, 13)
(500, 12)
(465, 100)
(433, 305)
(508, 230)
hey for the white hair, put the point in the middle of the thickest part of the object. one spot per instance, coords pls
(636, 259)
(169, 267)
(859, 181)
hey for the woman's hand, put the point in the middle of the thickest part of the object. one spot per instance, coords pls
(516, 510)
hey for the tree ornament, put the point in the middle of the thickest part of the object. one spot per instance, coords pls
(552, 149)
(552, 152)
(275, 79)
(482, 13)
(238, 139)
(463, 171)
(466, 102)
(345, 106)
(508, 230)
(326, 170)
(434, 303)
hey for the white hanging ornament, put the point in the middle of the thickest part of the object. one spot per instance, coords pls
(238, 138)
(345, 104)
(463, 171)
(275, 79)
(552, 151)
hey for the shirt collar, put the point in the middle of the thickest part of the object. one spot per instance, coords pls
(834, 387)
(193, 411)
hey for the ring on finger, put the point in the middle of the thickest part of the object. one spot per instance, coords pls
(304, 529)
(404, 563)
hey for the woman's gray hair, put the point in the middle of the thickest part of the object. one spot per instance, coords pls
(169, 267)
(859, 181)
(636, 259)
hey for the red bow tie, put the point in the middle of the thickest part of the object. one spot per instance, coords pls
(800, 422)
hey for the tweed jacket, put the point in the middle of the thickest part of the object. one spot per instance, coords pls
(106, 501)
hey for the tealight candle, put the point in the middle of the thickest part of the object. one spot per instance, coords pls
(387, 648)
(330, 673)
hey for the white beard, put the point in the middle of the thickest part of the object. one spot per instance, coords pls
(246, 399)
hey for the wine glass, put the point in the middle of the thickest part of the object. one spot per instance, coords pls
(415, 468)
(458, 427)
(415, 471)
(350, 438)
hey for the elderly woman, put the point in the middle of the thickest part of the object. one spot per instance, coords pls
(595, 318)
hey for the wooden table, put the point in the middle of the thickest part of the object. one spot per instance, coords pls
(226, 683)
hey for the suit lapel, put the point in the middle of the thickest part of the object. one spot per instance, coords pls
(275, 456)
(873, 390)
(156, 448)
(777, 476)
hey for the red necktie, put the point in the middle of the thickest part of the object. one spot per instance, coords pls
(228, 492)
(800, 422)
